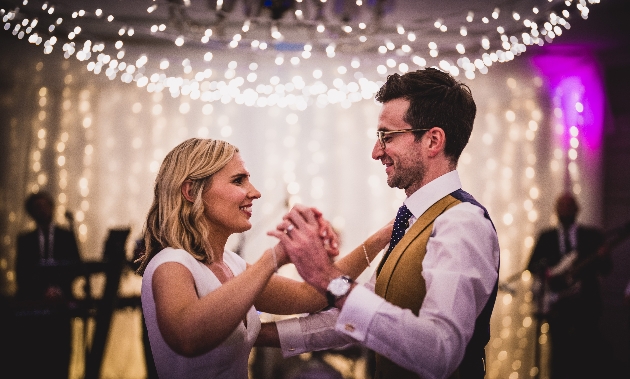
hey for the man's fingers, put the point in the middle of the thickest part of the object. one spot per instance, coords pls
(306, 212)
(308, 215)
(284, 225)
(328, 233)
(283, 237)
(332, 236)
(316, 212)
(323, 226)
(297, 219)
(301, 215)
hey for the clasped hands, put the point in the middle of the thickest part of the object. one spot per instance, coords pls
(308, 241)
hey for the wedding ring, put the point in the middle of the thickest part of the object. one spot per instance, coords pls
(290, 228)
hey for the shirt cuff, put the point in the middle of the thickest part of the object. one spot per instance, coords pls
(291, 337)
(357, 313)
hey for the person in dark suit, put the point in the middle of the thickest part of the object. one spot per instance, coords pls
(47, 246)
(47, 260)
(567, 262)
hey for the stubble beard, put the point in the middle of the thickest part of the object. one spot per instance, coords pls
(405, 177)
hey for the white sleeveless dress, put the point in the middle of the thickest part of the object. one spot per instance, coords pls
(226, 361)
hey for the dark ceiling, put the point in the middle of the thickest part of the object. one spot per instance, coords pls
(605, 29)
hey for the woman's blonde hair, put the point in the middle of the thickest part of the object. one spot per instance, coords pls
(174, 221)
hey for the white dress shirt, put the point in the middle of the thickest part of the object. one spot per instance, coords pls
(572, 238)
(460, 269)
(46, 252)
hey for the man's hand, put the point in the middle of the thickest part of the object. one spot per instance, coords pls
(300, 235)
(327, 234)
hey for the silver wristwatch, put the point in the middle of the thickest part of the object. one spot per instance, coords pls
(337, 288)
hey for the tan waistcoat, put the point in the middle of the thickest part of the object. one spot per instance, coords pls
(401, 283)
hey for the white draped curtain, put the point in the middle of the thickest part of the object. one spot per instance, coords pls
(96, 145)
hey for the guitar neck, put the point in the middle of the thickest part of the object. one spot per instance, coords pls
(603, 250)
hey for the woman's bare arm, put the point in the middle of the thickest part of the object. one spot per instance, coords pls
(192, 326)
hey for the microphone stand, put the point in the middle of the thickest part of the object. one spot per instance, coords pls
(87, 287)
(540, 316)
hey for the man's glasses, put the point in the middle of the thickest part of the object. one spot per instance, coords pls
(382, 134)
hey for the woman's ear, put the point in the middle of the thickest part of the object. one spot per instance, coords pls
(186, 186)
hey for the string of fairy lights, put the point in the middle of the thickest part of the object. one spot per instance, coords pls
(302, 81)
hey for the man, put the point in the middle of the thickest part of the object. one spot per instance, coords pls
(567, 262)
(426, 311)
(47, 260)
(47, 246)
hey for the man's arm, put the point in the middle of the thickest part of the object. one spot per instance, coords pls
(311, 333)
(460, 270)
(603, 249)
(538, 260)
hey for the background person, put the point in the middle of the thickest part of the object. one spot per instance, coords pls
(567, 267)
(46, 263)
(48, 245)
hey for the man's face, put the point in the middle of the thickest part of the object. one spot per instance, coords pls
(402, 155)
(42, 211)
(567, 210)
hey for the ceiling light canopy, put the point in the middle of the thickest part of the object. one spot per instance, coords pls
(365, 40)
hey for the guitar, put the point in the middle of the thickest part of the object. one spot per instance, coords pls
(564, 279)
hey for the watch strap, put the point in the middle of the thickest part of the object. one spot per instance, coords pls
(331, 299)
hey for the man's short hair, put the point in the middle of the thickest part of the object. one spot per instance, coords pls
(29, 204)
(435, 99)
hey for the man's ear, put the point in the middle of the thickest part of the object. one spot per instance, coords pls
(186, 187)
(436, 140)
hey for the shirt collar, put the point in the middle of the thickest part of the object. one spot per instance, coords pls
(48, 230)
(427, 195)
(572, 230)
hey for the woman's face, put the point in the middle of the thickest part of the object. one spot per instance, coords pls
(228, 199)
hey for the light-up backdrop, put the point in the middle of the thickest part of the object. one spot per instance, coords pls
(96, 145)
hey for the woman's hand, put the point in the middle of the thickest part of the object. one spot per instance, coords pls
(280, 255)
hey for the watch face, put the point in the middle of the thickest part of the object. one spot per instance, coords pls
(339, 286)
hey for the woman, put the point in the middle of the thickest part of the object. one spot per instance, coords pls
(200, 300)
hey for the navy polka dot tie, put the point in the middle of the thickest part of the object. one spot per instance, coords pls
(401, 223)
